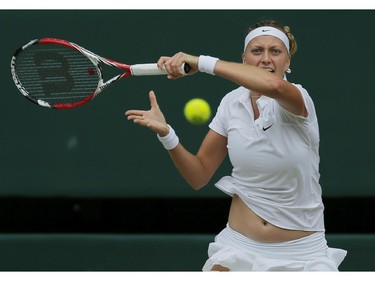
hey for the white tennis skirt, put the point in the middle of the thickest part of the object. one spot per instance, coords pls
(240, 253)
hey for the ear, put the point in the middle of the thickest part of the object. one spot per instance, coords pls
(287, 65)
(243, 58)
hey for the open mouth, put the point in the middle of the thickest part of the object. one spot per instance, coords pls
(270, 70)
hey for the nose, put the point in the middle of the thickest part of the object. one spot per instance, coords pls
(266, 57)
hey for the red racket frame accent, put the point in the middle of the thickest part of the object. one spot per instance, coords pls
(129, 70)
(90, 54)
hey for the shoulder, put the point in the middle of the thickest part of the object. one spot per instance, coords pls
(235, 96)
(225, 110)
(309, 103)
(303, 91)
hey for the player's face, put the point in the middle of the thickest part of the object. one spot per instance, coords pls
(267, 52)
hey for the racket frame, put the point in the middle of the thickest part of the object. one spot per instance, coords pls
(129, 70)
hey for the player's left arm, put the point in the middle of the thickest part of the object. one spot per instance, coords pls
(248, 76)
(262, 81)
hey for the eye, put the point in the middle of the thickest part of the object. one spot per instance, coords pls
(276, 52)
(256, 51)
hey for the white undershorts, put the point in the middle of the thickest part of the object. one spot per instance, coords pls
(240, 253)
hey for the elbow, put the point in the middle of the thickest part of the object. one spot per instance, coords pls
(198, 184)
(200, 176)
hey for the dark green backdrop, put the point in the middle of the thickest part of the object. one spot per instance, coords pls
(93, 151)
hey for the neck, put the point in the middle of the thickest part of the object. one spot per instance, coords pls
(254, 95)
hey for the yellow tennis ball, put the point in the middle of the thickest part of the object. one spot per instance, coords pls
(197, 111)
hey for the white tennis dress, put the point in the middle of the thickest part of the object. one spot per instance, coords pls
(275, 172)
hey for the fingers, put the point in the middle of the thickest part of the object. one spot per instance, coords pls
(153, 101)
(174, 65)
(165, 63)
(137, 116)
(162, 61)
(153, 118)
(134, 113)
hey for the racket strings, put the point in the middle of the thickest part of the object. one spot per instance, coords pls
(56, 74)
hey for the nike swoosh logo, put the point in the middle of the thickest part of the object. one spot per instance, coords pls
(265, 30)
(265, 129)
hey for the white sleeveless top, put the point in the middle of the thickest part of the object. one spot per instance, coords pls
(275, 159)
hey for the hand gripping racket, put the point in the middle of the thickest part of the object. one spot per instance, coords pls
(59, 74)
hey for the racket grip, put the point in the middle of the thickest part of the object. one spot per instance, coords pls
(148, 69)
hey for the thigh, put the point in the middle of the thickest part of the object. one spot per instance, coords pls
(218, 267)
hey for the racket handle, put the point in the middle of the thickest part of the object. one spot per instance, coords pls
(147, 69)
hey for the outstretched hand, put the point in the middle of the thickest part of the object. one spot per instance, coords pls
(152, 119)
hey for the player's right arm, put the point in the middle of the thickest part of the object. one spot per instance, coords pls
(197, 169)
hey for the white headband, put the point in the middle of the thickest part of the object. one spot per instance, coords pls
(267, 30)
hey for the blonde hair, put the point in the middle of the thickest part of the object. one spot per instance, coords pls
(283, 28)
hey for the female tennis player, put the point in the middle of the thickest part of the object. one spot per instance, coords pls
(269, 128)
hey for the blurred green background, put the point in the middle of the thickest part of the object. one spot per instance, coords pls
(93, 151)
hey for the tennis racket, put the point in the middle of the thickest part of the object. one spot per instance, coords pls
(58, 74)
